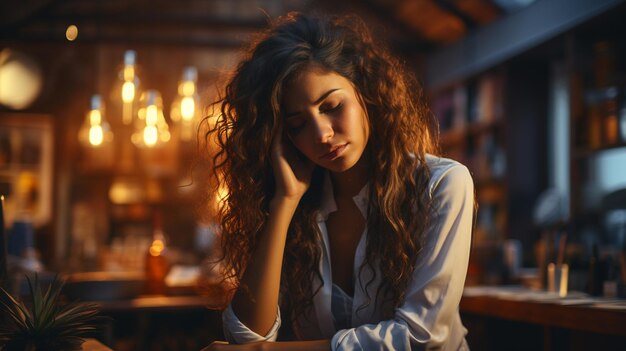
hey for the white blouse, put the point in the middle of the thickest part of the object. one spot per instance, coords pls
(429, 317)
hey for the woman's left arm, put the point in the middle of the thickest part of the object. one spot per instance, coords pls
(312, 345)
(428, 314)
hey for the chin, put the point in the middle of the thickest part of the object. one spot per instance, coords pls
(340, 166)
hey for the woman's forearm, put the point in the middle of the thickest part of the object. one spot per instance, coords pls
(256, 305)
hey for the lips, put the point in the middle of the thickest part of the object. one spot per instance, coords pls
(334, 152)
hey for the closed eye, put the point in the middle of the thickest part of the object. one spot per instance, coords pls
(295, 122)
(332, 109)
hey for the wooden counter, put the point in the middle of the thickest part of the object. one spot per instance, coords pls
(155, 303)
(515, 318)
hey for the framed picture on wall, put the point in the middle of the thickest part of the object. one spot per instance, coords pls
(26, 166)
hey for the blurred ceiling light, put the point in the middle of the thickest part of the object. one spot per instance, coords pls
(151, 128)
(129, 82)
(71, 33)
(20, 79)
(95, 130)
(185, 109)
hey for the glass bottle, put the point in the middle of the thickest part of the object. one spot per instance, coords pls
(610, 119)
(156, 260)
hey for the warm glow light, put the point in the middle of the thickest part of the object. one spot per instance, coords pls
(129, 86)
(95, 131)
(20, 79)
(187, 105)
(96, 135)
(157, 247)
(151, 129)
(129, 72)
(187, 108)
(150, 135)
(152, 115)
(128, 91)
(71, 33)
(189, 88)
(95, 117)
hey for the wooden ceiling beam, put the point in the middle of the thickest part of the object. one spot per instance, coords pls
(450, 7)
(385, 11)
(482, 12)
(433, 22)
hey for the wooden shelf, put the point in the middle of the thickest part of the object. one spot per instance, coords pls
(452, 137)
(457, 136)
(483, 126)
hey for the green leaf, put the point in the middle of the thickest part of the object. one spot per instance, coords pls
(49, 324)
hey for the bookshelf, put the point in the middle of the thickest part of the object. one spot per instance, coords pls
(471, 126)
(557, 118)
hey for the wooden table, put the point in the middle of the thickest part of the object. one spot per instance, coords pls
(145, 322)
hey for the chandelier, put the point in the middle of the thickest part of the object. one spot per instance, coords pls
(142, 111)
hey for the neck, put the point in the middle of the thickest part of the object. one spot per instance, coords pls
(348, 184)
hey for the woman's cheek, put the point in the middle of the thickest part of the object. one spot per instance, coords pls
(300, 144)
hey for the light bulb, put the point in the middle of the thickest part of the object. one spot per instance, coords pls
(151, 129)
(129, 71)
(95, 117)
(128, 92)
(152, 115)
(187, 108)
(188, 88)
(128, 86)
(95, 130)
(150, 135)
(96, 135)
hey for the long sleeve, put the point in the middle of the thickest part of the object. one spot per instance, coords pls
(429, 318)
(237, 333)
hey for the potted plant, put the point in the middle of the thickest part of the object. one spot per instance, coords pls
(48, 324)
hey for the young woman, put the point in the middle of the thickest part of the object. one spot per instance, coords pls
(339, 223)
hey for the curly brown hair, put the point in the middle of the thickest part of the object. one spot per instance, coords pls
(400, 122)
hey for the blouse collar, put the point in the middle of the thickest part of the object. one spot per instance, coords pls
(328, 205)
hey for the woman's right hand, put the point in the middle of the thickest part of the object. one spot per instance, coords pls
(292, 170)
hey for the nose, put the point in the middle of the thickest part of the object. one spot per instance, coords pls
(323, 129)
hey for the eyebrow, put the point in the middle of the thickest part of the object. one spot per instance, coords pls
(319, 100)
